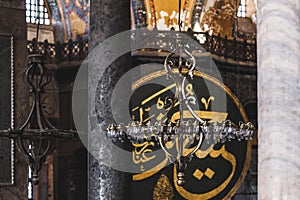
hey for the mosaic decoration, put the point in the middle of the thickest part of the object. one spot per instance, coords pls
(163, 16)
(157, 14)
(75, 17)
(211, 16)
(218, 16)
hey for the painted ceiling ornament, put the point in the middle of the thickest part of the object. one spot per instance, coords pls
(85, 5)
(75, 17)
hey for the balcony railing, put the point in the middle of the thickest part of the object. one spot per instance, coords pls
(57, 53)
(237, 50)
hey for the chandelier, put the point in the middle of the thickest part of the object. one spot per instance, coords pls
(180, 67)
(36, 137)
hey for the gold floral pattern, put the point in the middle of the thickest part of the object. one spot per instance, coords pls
(163, 189)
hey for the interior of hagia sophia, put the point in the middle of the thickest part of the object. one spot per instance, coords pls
(223, 31)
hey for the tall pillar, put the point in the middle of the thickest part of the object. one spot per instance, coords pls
(107, 18)
(278, 45)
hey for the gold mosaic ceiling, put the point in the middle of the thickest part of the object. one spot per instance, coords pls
(217, 16)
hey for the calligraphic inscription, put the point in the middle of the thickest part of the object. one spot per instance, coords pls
(217, 170)
(6, 145)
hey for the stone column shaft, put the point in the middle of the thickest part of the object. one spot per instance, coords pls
(107, 18)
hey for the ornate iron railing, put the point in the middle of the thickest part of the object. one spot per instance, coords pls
(237, 50)
(56, 53)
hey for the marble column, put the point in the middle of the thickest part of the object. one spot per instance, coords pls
(107, 18)
(278, 46)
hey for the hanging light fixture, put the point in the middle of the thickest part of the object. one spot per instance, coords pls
(180, 67)
(36, 137)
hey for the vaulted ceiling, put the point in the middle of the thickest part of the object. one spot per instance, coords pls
(70, 18)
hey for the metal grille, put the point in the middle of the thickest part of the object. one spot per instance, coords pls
(36, 10)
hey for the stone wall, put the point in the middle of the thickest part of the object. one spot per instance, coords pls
(12, 21)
